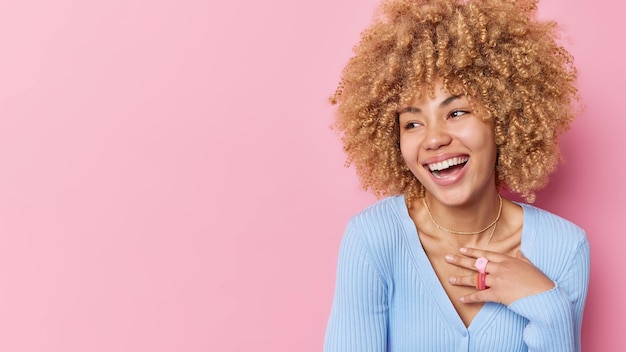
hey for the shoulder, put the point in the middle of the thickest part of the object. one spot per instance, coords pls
(380, 227)
(381, 221)
(384, 211)
(546, 223)
(552, 242)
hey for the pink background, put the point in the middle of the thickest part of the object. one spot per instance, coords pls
(169, 181)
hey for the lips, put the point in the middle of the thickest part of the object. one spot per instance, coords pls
(448, 167)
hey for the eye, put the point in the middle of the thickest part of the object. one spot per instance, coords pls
(458, 113)
(411, 125)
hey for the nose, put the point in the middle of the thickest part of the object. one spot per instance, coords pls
(436, 137)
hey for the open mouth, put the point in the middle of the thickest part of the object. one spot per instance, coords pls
(447, 168)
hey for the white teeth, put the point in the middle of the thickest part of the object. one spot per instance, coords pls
(442, 165)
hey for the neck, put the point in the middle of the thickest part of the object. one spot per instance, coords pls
(470, 219)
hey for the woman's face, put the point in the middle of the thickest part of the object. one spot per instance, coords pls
(448, 147)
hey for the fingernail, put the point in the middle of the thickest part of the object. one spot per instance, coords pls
(463, 250)
(449, 257)
(452, 280)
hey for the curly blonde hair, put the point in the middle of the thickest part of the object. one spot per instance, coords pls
(493, 51)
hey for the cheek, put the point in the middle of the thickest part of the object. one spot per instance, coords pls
(490, 145)
(478, 137)
(404, 148)
(483, 144)
(408, 149)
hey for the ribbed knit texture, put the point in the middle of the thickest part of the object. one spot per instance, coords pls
(388, 297)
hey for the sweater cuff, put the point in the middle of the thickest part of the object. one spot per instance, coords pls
(545, 307)
(551, 320)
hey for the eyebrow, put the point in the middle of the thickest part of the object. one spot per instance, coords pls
(443, 104)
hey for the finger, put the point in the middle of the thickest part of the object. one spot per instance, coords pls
(476, 253)
(463, 280)
(478, 296)
(470, 262)
(461, 261)
(486, 295)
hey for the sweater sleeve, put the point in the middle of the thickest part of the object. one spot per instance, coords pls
(358, 318)
(555, 316)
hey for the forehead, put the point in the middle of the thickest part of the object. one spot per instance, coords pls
(438, 98)
(424, 92)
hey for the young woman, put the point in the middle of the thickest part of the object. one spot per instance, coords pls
(445, 103)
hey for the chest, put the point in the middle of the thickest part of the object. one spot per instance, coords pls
(444, 271)
(437, 248)
(422, 317)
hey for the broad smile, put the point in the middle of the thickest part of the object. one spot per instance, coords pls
(447, 168)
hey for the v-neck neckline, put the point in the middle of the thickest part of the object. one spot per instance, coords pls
(431, 281)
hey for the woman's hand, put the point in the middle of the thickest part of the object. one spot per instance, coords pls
(508, 278)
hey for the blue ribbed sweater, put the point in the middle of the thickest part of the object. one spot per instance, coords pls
(388, 297)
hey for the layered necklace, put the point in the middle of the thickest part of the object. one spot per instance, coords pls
(492, 225)
(464, 232)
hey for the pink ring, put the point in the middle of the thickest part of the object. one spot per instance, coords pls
(481, 279)
(481, 264)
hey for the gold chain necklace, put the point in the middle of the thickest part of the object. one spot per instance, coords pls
(463, 232)
(484, 249)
